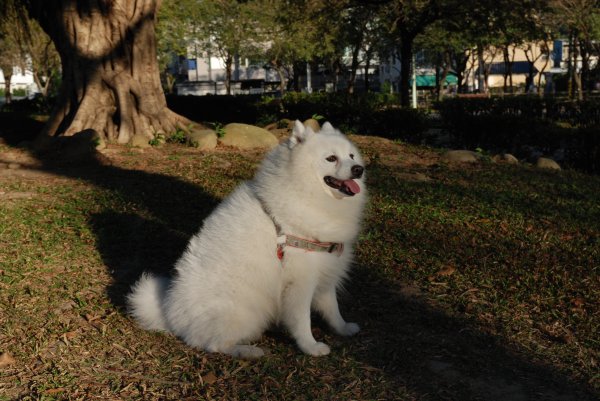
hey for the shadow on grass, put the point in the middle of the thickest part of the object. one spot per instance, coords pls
(417, 347)
(443, 357)
(168, 211)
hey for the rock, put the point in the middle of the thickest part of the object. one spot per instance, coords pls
(505, 158)
(312, 124)
(13, 166)
(246, 136)
(203, 139)
(546, 163)
(140, 141)
(461, 156)
(100, 143)
(78, 147)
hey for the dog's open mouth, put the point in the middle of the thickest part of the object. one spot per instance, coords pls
(348, 187)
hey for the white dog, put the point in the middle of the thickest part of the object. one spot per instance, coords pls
(277, 246)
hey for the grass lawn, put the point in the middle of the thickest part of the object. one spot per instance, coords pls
(471, 282)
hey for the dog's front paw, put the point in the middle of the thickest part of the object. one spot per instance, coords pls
(349, 329)
(315, 349)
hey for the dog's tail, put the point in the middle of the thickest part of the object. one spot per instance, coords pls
(145, 303)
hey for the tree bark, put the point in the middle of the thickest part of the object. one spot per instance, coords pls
(7, 80)
(110, 74)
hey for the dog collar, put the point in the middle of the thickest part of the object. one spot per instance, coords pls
(307, 245)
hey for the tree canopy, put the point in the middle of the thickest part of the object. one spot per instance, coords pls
(339, 35)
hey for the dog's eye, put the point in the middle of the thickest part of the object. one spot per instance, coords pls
(352, 156)
(332, 158)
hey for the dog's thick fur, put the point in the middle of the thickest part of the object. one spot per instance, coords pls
(230, 284)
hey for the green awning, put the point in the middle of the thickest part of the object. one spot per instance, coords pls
(429, 80)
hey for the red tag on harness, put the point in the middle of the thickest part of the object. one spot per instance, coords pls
(280, 252)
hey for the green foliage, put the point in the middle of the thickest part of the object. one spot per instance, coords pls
(367, 114)
(36, 105)
(219, 129)
(157, 139)
(179, 136)
(266, 118)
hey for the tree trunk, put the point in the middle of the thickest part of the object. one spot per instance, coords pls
(546, 51)
(228, 65)
(406, 53)
(110, 74)
(367, 67)
(7, 78)
(441, 77)
(353, 68)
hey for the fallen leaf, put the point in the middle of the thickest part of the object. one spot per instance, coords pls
(446, 271)
(70, 334)
(54, 391)
(6, 359)
(209, 378)
(91, 318)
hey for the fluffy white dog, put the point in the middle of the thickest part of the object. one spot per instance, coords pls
(277, 246)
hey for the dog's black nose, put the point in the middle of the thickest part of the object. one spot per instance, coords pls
(357, 171)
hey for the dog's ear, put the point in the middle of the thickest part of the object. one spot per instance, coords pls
(299, 134)
(327, 126)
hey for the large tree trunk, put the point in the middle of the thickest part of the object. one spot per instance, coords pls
(7, 79)
(110, 75)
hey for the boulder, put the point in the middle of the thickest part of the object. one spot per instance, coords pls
(312, 124)
(547, 163)
(140, 141)
(506, 158)
(246, 136)
(79, 146)
(461, 156)
(203, 139)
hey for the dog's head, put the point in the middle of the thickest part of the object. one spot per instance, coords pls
(336, 161)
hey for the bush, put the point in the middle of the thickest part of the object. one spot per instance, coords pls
(367, 114)
(515, 123)
(223, 109)
(408, 125)
(36, 105)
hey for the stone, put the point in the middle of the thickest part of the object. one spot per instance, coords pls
(78, 147)
(505, 158)
(547, 163)
(140, 141)
(461, 156)
(245, 136)
(203, 139)
(312, 124)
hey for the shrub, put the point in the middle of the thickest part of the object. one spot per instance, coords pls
(36, 105)
(512, 124)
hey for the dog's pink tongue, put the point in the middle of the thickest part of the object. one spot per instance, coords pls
(352, 186)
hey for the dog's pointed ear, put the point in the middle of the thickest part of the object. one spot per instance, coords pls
(299, 134)
(327, 126)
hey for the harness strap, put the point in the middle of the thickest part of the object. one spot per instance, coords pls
(307, 245)
(284, 240)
